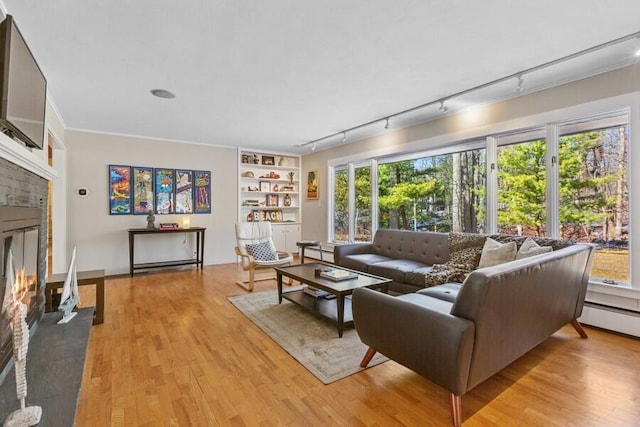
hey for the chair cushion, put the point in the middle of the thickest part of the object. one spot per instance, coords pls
(446, 292)
(262, 251)
(531, 248)
(494, 253)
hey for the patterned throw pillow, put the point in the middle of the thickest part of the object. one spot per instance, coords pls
(262, 251)
(531, 248)
(464, 256)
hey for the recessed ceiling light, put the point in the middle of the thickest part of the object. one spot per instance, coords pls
(161, 93)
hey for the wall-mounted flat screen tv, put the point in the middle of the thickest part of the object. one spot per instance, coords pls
(23, 88)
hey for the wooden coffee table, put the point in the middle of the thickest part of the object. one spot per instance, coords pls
(336, 307)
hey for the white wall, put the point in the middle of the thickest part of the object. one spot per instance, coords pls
(102, 239)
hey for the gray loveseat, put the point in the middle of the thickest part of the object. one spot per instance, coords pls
(400, 255)
(458, 335)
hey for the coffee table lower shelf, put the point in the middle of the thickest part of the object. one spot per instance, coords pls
(324, 307)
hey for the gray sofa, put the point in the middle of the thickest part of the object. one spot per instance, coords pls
(407, 257)
(458, 335)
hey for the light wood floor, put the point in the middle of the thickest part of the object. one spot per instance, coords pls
(174, 352)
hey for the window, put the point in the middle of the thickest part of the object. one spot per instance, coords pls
(341, 204)
(567, 180)
(594, 203)
(442, 192)
(522, 188)
(352, 203)
(362, 214)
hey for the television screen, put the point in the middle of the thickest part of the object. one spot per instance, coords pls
(24, 88)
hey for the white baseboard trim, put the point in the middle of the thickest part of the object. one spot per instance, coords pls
(613, 319)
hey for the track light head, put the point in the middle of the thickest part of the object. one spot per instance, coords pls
(519, 88)
(386, 125)
(313, 147)
(443, 107)
(637, 53)
(344, 137)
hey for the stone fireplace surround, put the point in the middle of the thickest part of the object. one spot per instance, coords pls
(20, 187)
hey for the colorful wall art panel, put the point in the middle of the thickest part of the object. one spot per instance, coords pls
(164, 183)
(184, 191)
(202, 180)
(142, 190)
(119, 190)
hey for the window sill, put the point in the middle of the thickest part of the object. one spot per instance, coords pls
(621, 290)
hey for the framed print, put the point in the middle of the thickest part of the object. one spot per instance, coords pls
(164, 184)
(268, 160)
(313, 185)
(272, 200)
(202, 182)
(265, 186)
(184, 191)
(119, 190)
(142, 190)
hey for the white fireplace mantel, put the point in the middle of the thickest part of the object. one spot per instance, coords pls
(23, 157)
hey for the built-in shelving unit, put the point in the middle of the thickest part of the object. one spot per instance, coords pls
(269, 190)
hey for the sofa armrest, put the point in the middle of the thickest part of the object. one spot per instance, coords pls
(340, 251)
(418, 332)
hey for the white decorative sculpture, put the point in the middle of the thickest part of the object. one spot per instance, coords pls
(70, 296)
(16, 312)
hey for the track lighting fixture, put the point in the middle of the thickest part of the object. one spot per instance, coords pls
(519, 88)
(519, 76)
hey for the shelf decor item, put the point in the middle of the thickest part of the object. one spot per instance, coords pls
(265, 186)
(268, 160)
(312, 185)
(119, 190)
(272, 200)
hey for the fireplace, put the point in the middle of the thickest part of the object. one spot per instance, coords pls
(20, 234)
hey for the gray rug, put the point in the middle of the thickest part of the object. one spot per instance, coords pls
(311, 340)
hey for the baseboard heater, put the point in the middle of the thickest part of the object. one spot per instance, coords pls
(612, 318)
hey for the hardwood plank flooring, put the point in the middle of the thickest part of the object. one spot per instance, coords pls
(174, 352)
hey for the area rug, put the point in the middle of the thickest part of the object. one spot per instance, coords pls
(311, 340)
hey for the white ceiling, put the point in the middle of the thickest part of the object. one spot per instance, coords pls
(275, 74)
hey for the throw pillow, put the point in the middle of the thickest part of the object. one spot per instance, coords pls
(262, 251)
(531, 248)
(494, 253)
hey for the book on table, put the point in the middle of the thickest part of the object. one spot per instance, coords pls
(337, 275)
(315, 292)
(169, 226)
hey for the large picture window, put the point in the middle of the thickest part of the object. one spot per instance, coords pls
(566, 180)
